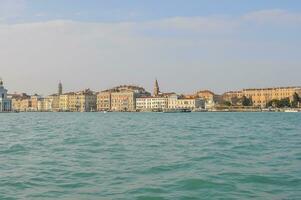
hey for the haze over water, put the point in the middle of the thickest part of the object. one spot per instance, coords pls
(82, 156)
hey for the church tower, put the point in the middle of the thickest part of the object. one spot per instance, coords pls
(156, 89)
(60, 89)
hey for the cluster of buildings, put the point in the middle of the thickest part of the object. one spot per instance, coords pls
(82, 101)
(262, 96)
(133, 98)
(129, 98)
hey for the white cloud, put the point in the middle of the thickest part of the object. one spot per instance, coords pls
(192, 24)
(35, 56)
(275, 16)
(10, 9)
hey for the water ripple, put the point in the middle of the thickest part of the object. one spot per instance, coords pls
(83, 156)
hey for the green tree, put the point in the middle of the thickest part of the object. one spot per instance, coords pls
(246, 101)
(285, 103)
(227, 103)
(275, 103)
(296, 100)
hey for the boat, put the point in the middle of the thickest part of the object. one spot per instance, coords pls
(200, 110)
(176, 110)
(290, 110)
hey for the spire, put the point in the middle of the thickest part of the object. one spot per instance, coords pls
(156, 88)
(60, 88)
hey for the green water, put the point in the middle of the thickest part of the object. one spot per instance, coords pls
(150, 156)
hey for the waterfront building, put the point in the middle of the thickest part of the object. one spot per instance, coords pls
(163, 101)
(206, 95)
(157, 102)
(104, 101)
(52, 103)
(64, 101)
(5, 103)
(82, 101)
(210, 105)
(171, 102)
(16, 104)
(120, 98)
(35, 99)
(123, 101)
(262, 96)
(41, 105)
(21, 102)
(85, 101)
(25, 105)
(209, 97)
(190, 103)
(154, 103)
(185, 102)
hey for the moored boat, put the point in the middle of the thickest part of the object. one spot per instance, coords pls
(176, 110)
(291, 110)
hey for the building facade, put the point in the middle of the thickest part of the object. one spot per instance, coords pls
(35, 101)
(83, 101)
(52, 103)
(104, 101)
(64, 101)
(262, 96)
(151, 103)
(123, 101)
(186, 103)
(120, 99)
(5, 103)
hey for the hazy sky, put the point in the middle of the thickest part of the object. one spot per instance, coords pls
(188, 45)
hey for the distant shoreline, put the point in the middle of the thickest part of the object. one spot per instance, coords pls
(211, 111)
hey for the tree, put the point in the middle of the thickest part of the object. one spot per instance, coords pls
(284, 103)
(275, 103)
(296, 100)
(227, 103)
(246, 101)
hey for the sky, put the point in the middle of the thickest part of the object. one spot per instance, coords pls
(188, 45)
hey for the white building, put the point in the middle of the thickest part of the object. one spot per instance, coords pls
(168, 102)
(210, 104)
(175, 102)
(189, 104)
(5, 103)
(151, 103)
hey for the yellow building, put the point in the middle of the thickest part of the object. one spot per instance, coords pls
(205, 94)
(262, 96)
(120, 98)
(123, 101)
(182, 102)
(21, 102)
(34, 102)
(64, 102)
(189, 103)
(83, 101)
(41, 105)
(104, 101)
(52, 103)
(208, 96)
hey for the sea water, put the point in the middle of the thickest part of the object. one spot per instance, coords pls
(82, 156)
